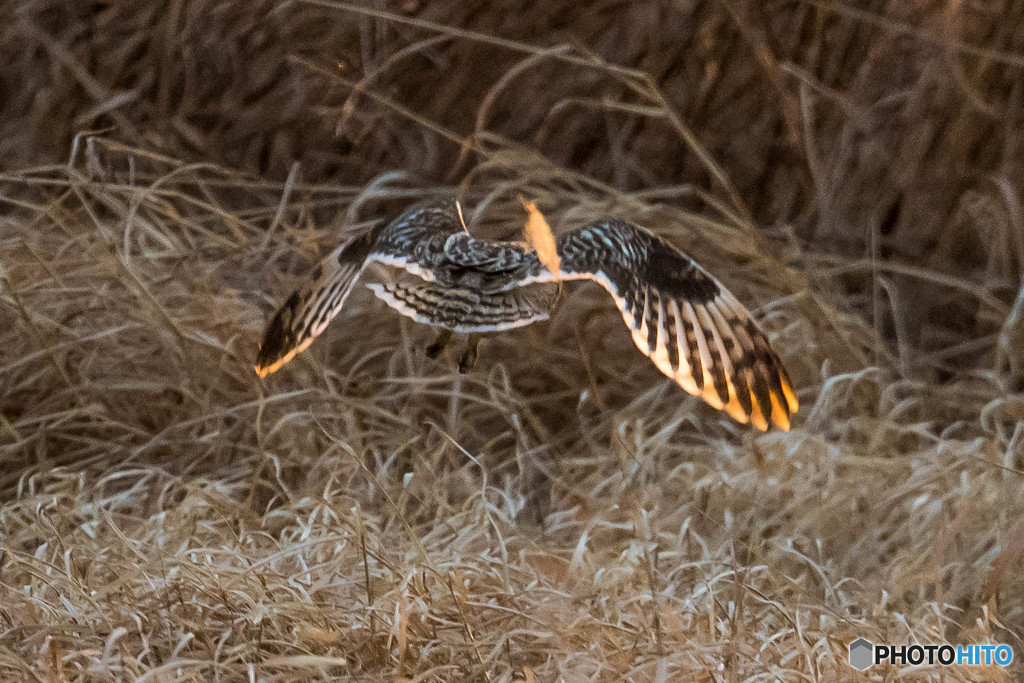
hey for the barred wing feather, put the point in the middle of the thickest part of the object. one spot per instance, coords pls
(309, 309)
(414, 241)
(692, 328)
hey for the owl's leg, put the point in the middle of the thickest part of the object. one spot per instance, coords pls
(440, 342)
(468, 359)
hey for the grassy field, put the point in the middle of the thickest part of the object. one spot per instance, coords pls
(170, 171)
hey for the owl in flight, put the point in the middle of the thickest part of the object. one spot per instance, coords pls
(681, 317)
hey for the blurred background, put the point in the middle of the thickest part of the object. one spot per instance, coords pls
(890, 129)
(169, 171)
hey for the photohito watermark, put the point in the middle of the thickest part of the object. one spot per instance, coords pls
(864, 653)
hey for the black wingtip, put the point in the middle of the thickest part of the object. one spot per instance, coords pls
(277, 348)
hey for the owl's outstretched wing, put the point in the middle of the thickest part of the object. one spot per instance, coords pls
(685, 320)
(311, 307)
(413, 241)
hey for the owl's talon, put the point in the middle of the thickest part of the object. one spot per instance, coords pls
(439, 344)
(470, 355)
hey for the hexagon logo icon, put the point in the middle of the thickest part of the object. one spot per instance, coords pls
(861, 652)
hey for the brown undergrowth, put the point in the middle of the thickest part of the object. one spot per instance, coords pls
(369, 514)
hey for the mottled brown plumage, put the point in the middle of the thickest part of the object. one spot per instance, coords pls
(693, 329)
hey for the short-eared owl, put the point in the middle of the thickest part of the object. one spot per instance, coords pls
(685, 320)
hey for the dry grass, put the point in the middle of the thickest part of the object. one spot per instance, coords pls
(367, 514)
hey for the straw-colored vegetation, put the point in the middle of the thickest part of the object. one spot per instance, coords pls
(853, 171)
